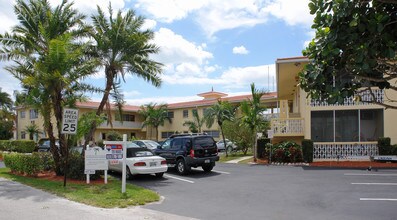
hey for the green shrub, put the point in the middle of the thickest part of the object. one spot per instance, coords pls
(307, 150)
(394, 149)
(20, 146)
(28, 164)
(384, 146)
(287, 152)
(76, 167)
(1, 155)
(261, 147)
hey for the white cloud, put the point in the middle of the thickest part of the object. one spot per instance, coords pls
(240, 50)
(162, 100)
(7, 16)
(149, 24)
(89, 7)
(311, 35)
(291, 11)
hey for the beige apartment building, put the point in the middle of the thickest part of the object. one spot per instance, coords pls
(341, 131)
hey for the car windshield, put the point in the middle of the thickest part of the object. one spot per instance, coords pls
(138, 152)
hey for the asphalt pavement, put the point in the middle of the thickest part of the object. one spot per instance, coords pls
(20, 202)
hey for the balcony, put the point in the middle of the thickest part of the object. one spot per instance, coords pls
(120, 125)
(287, 126)
(366, 98)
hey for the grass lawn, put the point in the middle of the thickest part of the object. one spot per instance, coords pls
(99, 195)
(233, 156)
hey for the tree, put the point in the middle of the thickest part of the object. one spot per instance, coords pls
(154, 115)
(251, 110)
(49, 61)
(6, 129)
(6, 106)
(238, 133)
(220, 112)
(196, 124)
(122, 47)
(353, 52)
(33, 130)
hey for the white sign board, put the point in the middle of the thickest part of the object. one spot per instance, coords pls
(95, 159)
(270, 134)
(69, 123)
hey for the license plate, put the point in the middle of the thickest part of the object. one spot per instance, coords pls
(152, 164)
(207, 161)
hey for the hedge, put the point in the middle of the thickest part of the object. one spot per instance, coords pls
(307, 150)
(29, 164)
(384, 146)
(20, 146)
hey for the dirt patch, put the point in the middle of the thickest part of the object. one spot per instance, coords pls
(53, 177)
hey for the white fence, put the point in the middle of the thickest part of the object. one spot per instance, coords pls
(345, 151)
(287, 126)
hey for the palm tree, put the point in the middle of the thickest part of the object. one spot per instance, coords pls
(154, 115)
(222, 111)
(48, 60)
(196, 124)
(122, 47)
(6, 105)
(251, 111)
(33, 130)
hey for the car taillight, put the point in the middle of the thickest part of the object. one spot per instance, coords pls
(164, 162)
(191, 153)
(140, 164)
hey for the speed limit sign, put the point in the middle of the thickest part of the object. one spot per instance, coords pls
(70, 118)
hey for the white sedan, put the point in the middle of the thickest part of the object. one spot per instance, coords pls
(140, 161)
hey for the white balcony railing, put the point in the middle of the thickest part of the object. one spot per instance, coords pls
(122, 125)
(365, 96)
(287, 126)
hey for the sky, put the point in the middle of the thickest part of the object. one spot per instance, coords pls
(224, 45)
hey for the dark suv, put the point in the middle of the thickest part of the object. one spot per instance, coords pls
(188, 150)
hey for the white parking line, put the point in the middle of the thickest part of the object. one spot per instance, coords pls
(377, 199)
(177, 178)
(382, 184)
(223, 172)
(370, 174)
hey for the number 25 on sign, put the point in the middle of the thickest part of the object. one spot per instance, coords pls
(70, 118)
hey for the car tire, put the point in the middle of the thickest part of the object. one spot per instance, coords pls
(159, 175)
(181, 167)
(208, 167)
(128, 174)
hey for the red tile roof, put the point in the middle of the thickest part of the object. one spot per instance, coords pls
(204, 102)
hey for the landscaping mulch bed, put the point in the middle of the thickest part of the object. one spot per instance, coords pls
(53, 177)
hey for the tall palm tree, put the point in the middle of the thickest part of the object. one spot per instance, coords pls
(48, 60)
(154, 115)
(197, 123)
(6, 105)
(251, 110)
(122, 47)
(220, 112)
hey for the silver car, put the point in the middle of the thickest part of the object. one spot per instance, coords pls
(230, 146)
(149, 144)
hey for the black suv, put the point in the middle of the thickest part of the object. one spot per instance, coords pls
(187, 150)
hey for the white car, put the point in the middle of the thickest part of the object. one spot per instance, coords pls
(140, 161)
(230, 146)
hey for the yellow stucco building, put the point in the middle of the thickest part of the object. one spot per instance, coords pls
(341, 131)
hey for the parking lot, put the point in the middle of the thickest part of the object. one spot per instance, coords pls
(236, 191)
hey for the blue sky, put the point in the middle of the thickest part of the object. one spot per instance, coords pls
(221, 44)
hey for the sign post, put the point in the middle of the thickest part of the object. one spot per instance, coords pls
(117, 150)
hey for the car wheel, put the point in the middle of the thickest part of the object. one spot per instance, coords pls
(128, 174)
(181, 167)
(159, 175)
(207, 167)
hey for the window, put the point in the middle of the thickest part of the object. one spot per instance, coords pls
(23, 135)
(170, 114)
(213, 133)
(166, 134)
(166, 145)
(322, 126)
(346, 125)
(125, 117)
(185, 113)
(103, 136)
(176, 144)
(133, 134)
(33, 113)
(23, 114)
